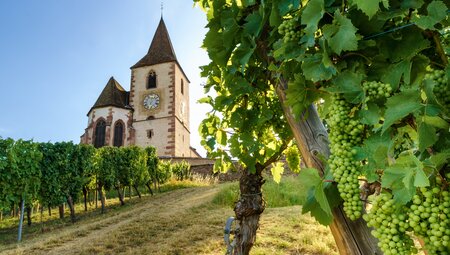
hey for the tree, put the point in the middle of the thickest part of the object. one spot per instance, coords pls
(368, 66)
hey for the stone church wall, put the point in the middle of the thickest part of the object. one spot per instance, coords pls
(158, 137)
(139, 90)
(110, 115)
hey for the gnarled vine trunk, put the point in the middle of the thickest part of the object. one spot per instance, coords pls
(120, 194)
(102, 198)
(29, 212)
(137, 191)
(72, 208)
(85, 194)
(149, 188)
(352, 237)
(61, 211)
(248, 210)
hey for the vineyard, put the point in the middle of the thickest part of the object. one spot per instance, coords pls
(48, 175)
(362, 89)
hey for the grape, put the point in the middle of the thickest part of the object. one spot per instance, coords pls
(376, 90)
(430, 219)
(391, 232)
(288, 30)
(345, 133)
(441, 89)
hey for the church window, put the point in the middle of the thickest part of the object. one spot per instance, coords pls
(150, 133)
(151, 83)
(99, 135)
(182, 86)
(118, 134)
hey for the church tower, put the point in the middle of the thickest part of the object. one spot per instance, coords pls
(159, 95)
(155, 112)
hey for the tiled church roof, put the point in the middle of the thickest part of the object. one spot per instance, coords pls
(161, 50)
(112, 95)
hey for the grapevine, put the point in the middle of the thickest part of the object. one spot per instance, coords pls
(441, 88)
(390, 225)
(289, 32)
(376, 90)
(345, 133)
(365, 64)
(429, 218)
(293, 158)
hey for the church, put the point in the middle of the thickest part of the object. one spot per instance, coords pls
(154, 112)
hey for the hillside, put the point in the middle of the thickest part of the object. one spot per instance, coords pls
(178, 222)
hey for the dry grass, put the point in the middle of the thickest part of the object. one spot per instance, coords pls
(178, 222)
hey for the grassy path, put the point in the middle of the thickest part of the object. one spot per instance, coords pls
(178, 222)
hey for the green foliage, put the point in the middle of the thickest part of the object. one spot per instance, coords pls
(275, 194)
(25, 173)
(345, 45)
(164, 171)
(152, 163)
(83, 158)
(137, 158)
(182, 170)
(105, 166)
(277, 171)
(293, 158)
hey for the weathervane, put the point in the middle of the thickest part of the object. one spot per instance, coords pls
(162, 7)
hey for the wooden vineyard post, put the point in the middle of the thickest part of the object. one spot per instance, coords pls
(352, 237)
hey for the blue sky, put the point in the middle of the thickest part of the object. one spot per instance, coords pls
(56, 57)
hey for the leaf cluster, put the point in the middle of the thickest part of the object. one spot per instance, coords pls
(343, 45)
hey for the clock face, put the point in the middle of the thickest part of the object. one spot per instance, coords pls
(151, 101)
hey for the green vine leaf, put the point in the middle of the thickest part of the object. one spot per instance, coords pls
(427, 136)
(348, 83)
(400, 105)
(277, 171)
(404, 177)
(437, 11)
(341, 34)
(370, 8)
(314, 69)
(311, 16)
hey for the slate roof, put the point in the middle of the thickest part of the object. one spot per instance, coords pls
(112, 95)
(161, 49)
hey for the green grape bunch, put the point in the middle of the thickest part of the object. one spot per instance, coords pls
(289, 32)
(390, 226)
(441, 88)
(429, 217)
(345, 133)
(376, 90)
(293, 158)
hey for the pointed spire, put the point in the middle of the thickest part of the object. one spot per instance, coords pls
(161, 49)
(112, 95)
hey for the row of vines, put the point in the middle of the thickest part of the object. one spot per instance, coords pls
(51, 174)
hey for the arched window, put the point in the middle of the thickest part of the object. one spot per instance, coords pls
(99, 135)
(118, 134)
(151, 83)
